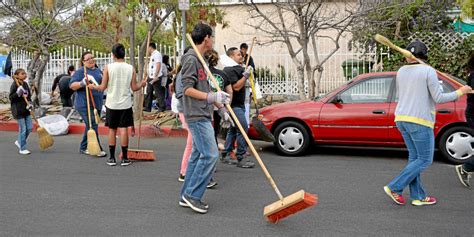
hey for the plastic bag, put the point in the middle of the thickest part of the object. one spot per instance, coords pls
(45, 98)
(55, 124)
(174, 104)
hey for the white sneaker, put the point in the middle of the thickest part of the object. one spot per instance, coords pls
(25, 152)
(102, 154)
(17, 144)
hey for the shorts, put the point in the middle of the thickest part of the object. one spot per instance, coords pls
(119, 118)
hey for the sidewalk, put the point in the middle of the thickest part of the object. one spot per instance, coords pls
(147, 130)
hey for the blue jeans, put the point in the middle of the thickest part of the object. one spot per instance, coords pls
(234, 133)
(84, 116)
(419, 141)
(25, 127)
(202, 160)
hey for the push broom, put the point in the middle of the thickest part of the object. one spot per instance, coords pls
(138, 154)
(285, 206)
(407, 54)
(92, 143)
(44, 139)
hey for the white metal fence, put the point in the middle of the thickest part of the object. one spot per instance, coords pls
(61, 59)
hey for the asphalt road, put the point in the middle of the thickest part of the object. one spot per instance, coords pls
(59, 192)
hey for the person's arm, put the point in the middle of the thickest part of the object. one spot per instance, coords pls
(239, 84)
(134, 85)
(55, 83)
(13, 95)
(75, 83)
(436, 91)
(105, 81)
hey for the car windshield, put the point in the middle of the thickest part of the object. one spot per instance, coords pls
(324, 95)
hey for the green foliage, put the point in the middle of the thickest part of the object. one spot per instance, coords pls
(278, 75)
(467, 7)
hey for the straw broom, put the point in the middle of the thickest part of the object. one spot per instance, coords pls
(44, 139)
(138, 154)
(92, 142)
(286, 205)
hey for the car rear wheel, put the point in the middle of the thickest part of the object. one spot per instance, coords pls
(292, 138)
(457, 144)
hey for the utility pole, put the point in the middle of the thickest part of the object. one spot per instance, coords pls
(183, 6)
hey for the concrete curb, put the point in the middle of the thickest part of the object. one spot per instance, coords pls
(78, 128)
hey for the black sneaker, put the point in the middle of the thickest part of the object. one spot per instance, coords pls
(196, 205)
(245, 163)
(184, 204)
(463, 176)
(111, 162)
(125, 162)
(181, 178)
(227, 159)
(211, 184)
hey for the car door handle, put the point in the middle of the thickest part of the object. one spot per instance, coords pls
(444, 111)
(378, 111)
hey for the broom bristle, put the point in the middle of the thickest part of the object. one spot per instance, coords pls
(308, 201)
(44, 139)
(92, 143)
(136, 154)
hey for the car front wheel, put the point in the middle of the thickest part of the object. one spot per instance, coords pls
(292, 138)
(457, 145)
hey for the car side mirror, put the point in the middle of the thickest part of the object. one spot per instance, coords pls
(337, 100)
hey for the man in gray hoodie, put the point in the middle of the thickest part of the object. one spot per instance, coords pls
(198, 102)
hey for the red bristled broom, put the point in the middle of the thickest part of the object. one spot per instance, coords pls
(286, 206)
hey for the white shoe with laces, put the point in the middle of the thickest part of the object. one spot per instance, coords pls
(17, 144)
(25, 152)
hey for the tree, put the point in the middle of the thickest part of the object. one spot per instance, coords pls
(40, 28)
(299, 25)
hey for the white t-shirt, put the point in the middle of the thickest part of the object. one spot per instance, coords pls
(119, 95)
(154, 59)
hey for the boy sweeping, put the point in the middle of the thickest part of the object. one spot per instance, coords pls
(20, 109)
(119, 77)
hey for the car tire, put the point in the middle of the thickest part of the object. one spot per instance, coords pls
(292, 138)
(454, 144)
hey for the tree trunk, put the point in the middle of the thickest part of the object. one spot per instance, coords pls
(317, 82)
(300, 72)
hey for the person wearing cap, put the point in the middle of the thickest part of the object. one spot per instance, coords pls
(418, 91)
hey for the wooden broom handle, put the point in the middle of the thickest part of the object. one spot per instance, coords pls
(142, 91)
(250, 52)
(254, 94)
(236, 120)
(87, 99)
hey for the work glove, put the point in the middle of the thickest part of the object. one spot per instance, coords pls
(20, 91)
(84, 82)
(218, 97)
(247, 72)
(226, 120)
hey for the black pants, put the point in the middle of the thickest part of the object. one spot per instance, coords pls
(66, 95)
(160, 93)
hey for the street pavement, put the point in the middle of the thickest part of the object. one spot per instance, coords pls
(59, 192)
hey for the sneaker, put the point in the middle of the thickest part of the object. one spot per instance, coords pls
(102, 154)
(125, 162)
(397, 198)
(227, 159)
(17, 144)
(196, 205)
(425, 201)
(181, 178)
(84, 152)
(211, 184)
(111, 162)
(463, 176)
(245, 163)
(24, 152)
(184, 204)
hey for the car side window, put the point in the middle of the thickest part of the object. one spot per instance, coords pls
(372, 90)
(445, 88)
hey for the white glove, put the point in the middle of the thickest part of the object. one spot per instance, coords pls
(247, 72)
(226, 120)
(83, 83)
(21, 91)
(219, 97)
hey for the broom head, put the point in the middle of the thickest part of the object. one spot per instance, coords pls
(92, 143)
(137, 154)
(262, 131)
(289, 205)
(45, 140)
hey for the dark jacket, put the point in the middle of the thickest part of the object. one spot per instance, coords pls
(470, 97)
(18, 104)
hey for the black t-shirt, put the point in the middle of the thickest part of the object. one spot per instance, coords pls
(221, 77)
(56, 81)
(64, 84)
(235, 73)
(470, 97)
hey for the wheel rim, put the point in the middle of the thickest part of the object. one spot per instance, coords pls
(459, 145)
(291, 139)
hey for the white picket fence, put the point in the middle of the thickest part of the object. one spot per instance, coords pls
(61, 59)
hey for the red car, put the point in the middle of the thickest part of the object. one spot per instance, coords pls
(361, 113)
